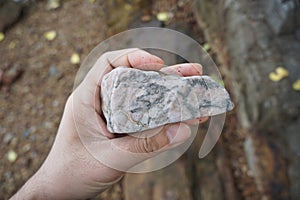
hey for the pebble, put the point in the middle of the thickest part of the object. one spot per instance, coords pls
(7, 138)
(25, 90)
(12, 156)
(26, 133)
(250, 173)
(2, 130)
(55, 103)
(52, 71)
(14, 142)
(32, 138)
(8, 174)
(33, 155)
(10, 118)
(48, 125)
(26, 148)
(33, 129)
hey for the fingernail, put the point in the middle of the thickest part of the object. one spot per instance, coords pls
(178, 133)
(198, 68)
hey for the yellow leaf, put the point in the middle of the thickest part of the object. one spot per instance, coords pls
(279, 74)
(206, 47)
(282, 72)
(75, 58)
(50, 35)
(53, 4)
(12, 156)
(92, 1)
(164, 16)
(2, 36)
(13, 44)
(296, 85)
(274, 77)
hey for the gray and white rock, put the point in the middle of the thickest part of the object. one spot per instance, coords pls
(134, 100)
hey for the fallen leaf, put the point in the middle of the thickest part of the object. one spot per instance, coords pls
(206, 46)
(279, 74)
(12, 156)
(13, 44)
(282, 72)
(92, 1)
(53, 4)
(2, 36)
(274, 77)
(75, 59)
(164, 16)
(296, 85)
(50, 35)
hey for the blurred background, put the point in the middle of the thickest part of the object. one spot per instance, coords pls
(256, 45)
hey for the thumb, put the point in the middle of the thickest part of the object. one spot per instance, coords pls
(144, 145)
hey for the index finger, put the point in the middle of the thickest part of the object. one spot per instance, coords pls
(135, 58)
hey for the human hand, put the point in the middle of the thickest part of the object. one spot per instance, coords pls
(71, 170)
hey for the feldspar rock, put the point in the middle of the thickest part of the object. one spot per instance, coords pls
(134, 100)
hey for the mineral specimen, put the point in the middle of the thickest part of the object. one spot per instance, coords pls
(134, 100)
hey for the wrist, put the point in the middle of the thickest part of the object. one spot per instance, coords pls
(32, 189)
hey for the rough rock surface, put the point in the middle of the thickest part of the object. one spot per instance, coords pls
(9, 13)
(252, 39)
(135, 100)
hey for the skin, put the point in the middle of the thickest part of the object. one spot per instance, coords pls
(70, 171)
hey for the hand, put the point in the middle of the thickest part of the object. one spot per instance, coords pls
(72, 169)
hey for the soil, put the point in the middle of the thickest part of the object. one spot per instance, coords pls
(32, 101)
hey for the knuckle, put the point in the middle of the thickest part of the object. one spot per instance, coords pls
(148, 145)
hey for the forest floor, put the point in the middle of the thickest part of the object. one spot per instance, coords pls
(31, 106)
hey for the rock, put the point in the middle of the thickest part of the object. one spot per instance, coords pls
(8, 174)
(55, 103)
(281, 15)
(162, 184)
(10, 74)
(135, 100)
(26, 147)
(26, 133)
(48, 125)
(52, 71)
(10, 12)
(7, 138)
(297, 33)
